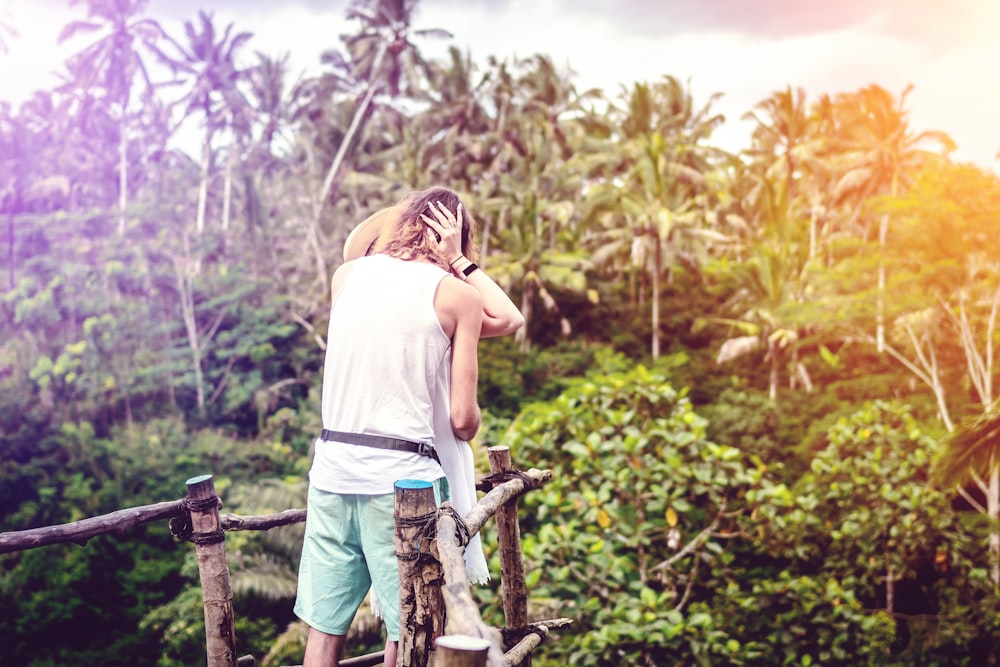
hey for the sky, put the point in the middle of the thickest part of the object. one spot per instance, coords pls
(745, 50)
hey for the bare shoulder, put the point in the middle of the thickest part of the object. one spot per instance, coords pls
(460, 294)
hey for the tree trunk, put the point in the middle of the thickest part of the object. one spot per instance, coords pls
(185, 289)
(352, 130)
(655, 298)
(206, 157)
(484, 244)
(11, 256)
(122, 174)
(813, 233)
(883, 230)
(940, 394)
(227, 188)
(521, 335)
(772, 391)
(890, 585)
(993, 507)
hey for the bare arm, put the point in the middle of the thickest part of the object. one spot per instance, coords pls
(500, 315)
(460, 307)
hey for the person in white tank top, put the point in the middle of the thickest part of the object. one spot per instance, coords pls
(399, 320)
(454, 236)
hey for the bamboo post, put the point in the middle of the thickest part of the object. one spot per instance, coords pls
(461, 651)
(217, 594)
(421, 606)
(513, 587)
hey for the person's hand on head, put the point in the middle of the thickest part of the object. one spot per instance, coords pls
(445, 231)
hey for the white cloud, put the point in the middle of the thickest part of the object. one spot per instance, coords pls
(34, 54)
(961, 96)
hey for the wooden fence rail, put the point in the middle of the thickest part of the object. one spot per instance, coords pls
(440, 624)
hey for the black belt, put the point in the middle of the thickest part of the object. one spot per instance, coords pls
(382, 442)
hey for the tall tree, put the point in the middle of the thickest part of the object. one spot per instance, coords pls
(879, 155)
(661, 171)
(210, 60)
(381, 58)
(951, 254)
(112, 63)
(528, 196)
(455, 143)
(786, 149)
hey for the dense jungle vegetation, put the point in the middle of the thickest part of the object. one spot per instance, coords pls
(764, 381)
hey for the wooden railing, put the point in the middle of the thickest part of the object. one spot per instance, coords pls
(440, 623)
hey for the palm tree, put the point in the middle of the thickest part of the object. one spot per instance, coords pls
(274, 104)
(455, 142)
(529, 192)
(526, 265)
(972, 454)
(44, 163)
(381, 54)
(878, 155)
(786, 150)
(659, 175)
(112, 63)
(214, 92)
(768, 312)
(13, 170)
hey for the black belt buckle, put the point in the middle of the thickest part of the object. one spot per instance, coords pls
(427, 449)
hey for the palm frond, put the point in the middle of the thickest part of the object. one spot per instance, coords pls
(737, 347)
(265, 576)
(288, 646)
(973, 449)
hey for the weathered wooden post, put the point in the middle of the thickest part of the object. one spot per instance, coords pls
(213, 569)
(421, 606)
(461, 651)
(513, 587)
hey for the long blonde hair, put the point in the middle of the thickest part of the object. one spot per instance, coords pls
(407, 239)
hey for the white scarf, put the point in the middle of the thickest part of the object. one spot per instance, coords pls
(459, 467)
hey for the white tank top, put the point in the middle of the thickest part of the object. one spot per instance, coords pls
(385, 348)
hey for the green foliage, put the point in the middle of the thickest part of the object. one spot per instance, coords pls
(509, 378)
(748, 421)
(807, 620)
(177, 627)
(117, 581)
(866, 523)
(632, 534)
(91, 599)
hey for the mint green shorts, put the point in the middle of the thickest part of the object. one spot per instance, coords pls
(349, 547)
